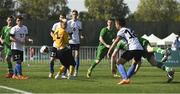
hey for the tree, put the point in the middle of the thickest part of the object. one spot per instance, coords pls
(43, 9)
(104, 9)
(6, 8)
(157, 10)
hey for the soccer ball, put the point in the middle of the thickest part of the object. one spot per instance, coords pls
(44, 49)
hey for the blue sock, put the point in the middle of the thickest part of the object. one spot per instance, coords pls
(15, 69)
(77, 64)
(122, 71)
(131, 70)
(19, 68)
(52, 67)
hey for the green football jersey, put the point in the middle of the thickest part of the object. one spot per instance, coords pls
(107, 35)
(5, 33)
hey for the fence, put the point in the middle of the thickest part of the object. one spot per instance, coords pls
(32, 53)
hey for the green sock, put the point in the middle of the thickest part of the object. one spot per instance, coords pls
(93, 66)
(10, 69)
(158, 50)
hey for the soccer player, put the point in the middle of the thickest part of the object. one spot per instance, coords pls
(53, 50)
(135, 50)
(74, 27)
(5, 40)
(18, 36)
(107, 34)
(148, 54)
(63, 52)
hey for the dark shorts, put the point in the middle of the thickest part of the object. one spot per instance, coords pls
(53, 52)
(147, 55)
(17, 55)
(74, 46)
(66, 57)
(132, 54)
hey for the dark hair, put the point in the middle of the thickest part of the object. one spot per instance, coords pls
(64, 15)
(19, 17)
(12, 17)
(75, 11)
(121, 21)
(110, 19)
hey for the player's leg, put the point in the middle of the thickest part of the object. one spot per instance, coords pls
(14, 55)
(8, 54)
(76, 57)
(100, 54)
(122, 71)
(113, 63)
(120, 46)
(124, 58)
(166, 52)
(170, 71)
(60, 71)
(18, 57)
(136, 64)
(51, 62)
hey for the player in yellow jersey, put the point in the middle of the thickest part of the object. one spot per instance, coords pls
(64, 54)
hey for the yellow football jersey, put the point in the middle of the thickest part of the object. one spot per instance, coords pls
(61, 38)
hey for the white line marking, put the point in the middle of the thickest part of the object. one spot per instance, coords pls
(16, 90)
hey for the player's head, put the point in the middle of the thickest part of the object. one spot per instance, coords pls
(62, 16)
(120, 22)
(74, 14)
(19, 20)
(10, 20)
(110, 22)
(177, 37)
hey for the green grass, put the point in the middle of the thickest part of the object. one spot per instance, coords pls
(147, 80)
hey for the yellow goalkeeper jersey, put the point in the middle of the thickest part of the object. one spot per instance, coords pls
(61, 38)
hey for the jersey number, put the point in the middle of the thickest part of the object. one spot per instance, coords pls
(130, 33)
(22, 35)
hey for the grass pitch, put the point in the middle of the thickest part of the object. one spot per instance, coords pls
(147, 80)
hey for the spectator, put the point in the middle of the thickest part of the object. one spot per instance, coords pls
(176, 44)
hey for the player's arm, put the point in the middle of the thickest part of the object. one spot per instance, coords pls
(113, 45)
(101, 38)
(81, 30)
(103, 42)
(52, 33)
(1, 36)
(53, 30)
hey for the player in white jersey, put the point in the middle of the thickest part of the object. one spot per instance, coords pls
(74, 28)
(18, 36)
(135, 50)
(54, 50)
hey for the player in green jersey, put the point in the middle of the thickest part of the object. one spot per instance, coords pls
(148, 54)
(107, 34)
(5, 40)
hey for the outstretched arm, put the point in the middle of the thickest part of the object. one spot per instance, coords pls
(112, 46)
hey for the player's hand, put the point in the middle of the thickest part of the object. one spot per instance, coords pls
(30, 40)
(108, 55)
(51, 34)
(2, 41)
(108, 46)
(82, 37)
